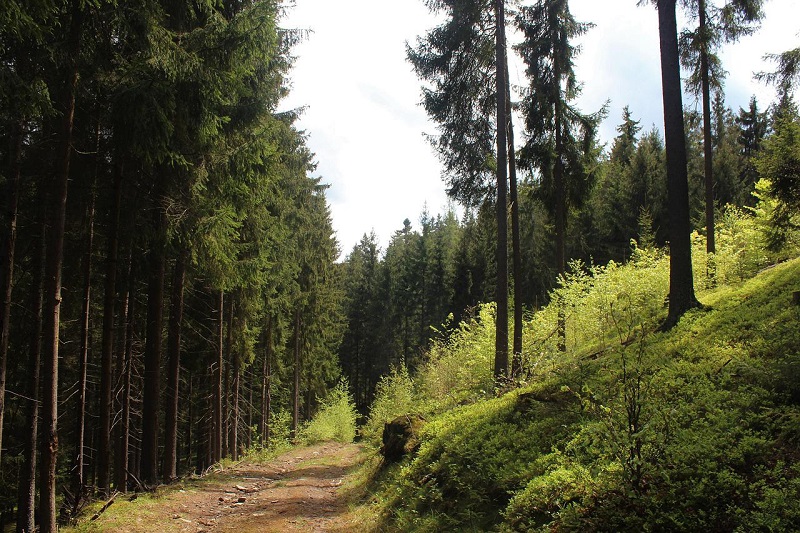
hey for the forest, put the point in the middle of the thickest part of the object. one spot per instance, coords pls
(172, 294)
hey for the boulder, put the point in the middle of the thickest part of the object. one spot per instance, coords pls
(401, 437)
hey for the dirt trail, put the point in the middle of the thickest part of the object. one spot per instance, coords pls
(296, 491)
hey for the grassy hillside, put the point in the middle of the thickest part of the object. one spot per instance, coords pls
(629, 430)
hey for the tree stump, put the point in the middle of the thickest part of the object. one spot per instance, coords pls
(401, 437)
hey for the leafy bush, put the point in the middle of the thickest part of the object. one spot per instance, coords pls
(394, 396)
(459, 367)
(335, 420)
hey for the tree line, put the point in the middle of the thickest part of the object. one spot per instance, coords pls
(167, 260)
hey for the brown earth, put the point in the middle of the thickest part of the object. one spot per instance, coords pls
(296, 491)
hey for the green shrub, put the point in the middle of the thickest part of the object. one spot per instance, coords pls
(459, 368)
(394, 396)
(335, 420)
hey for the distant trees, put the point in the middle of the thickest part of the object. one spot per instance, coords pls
(395, 298)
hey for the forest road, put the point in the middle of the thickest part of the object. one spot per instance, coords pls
(296, 491)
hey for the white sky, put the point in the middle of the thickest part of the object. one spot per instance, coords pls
(366, 126)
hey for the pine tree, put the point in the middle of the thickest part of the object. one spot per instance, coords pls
(698, 53)
(560, 138)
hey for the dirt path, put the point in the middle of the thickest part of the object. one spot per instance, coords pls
(297, 491)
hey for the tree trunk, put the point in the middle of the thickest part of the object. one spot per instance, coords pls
(501, 292)
(107, 343)
(516, 252)
(227, 442)
(26, 488)
(190, 422)
(152, 352)
(250, 412)
(707, 145)
(681, 282)
(218, 380)
(559, 182)
(124, 357)
(7, 261)
(296, 389)
(52, 299)
(235, 414)
(78, 481)
(266, 385)
(170, 467)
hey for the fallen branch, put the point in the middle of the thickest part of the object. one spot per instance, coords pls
(106, 506)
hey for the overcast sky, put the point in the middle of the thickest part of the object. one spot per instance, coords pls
(361, 98)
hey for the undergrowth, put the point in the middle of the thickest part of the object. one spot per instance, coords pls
(335, 420)
(629, 429)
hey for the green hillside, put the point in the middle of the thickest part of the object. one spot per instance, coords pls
(629, 430)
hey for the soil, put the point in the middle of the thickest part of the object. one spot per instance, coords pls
(297, 491)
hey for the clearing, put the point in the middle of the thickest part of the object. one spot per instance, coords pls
(296, 491)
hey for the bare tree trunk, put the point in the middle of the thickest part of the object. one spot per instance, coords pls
(250, 413)
(7, 262)
(266, 385)
(107, 343)
(26, 501)
(52, 313)
(708, 150)
(124, 354)
(190, 421)
(217, 397)
(152, 353)
(170, 468)
(681, 280)
(235, 414)
(227, 443)
(79, 468)
(501, 291)
(516, 252)
(559, 181)
(297, 360)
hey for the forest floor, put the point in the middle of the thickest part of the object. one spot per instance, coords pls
(305, 489)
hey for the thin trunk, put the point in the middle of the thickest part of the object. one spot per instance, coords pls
(152, 352)
(681, 282)
(124, 352)
(52, 306)
(296, 389)
(127, 399)
(189, 423)
(235, 414)
(501, 292)
(26, 501)
(250, 413)
(516, 253)
(561, 206)
(227, 444)
(266, 389)
(707, 144)
(217, 456)
(170, 467)
(107, 343)
(7, 262)
(78, 481)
